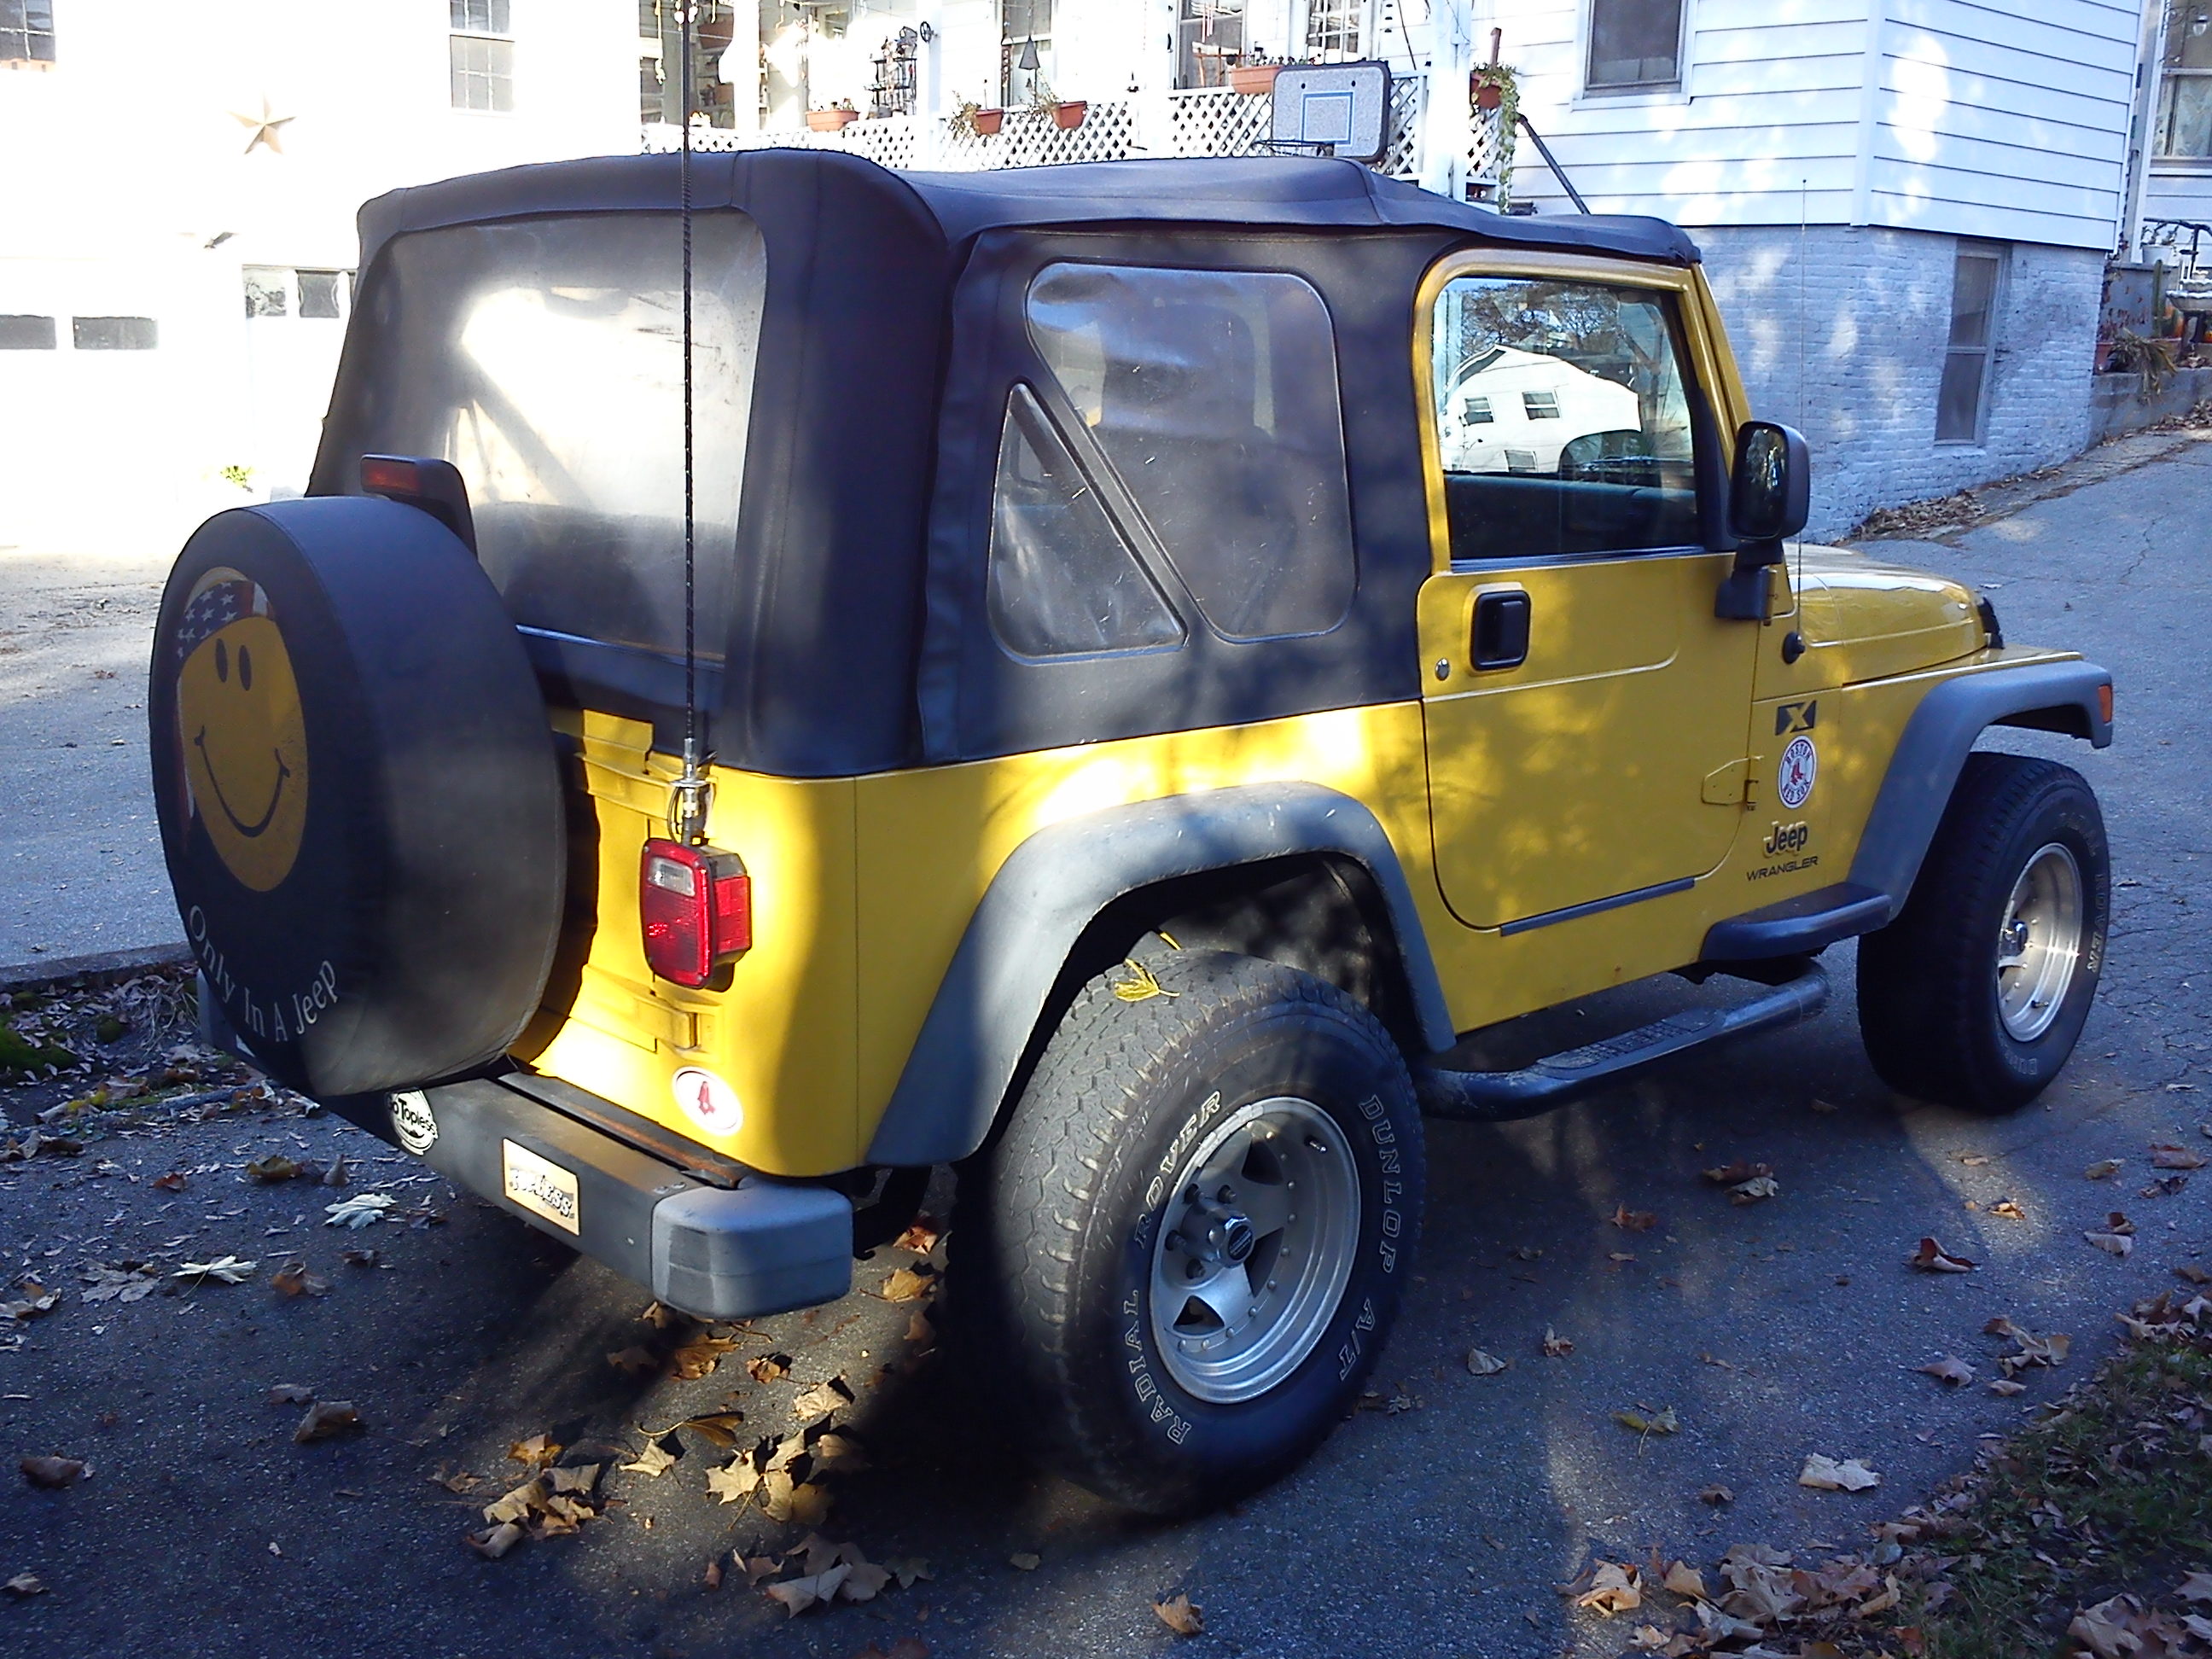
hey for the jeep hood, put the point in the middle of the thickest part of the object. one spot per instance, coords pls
(1864, 620)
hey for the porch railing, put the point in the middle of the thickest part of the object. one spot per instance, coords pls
(1201, 121)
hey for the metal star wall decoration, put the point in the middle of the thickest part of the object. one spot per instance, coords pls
(266, 128)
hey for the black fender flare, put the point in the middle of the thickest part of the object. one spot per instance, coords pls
(1048, 891)
(2069, 695)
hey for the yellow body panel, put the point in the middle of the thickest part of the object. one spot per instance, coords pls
(1639, 743)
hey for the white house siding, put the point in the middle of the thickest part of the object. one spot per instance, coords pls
(148, 204)
(2006, 119)
(1860, 378)
(2182, 190)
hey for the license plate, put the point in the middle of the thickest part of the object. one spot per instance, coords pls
(539, 1185)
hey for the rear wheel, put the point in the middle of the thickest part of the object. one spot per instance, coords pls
(1187, 1248)
(1976, 994)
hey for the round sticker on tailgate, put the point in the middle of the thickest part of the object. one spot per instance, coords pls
(411, 1122)
(707, 1101)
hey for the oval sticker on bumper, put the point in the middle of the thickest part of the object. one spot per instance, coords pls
(707, 1101)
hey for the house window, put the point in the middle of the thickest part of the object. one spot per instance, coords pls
(2184, 93)
(1209, 41)
(1540, 405)
(281, 291)
(112, 333)
(26, 334)
(1024, 49)
(1333, 29)
(27, 31)
(1478, 412)
(1962, 400)
(1634, 44)
(482, 56)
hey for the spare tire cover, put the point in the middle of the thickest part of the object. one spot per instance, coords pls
(358, 790)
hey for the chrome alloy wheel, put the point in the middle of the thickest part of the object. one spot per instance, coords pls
(1255, 1245)
(2039, 945)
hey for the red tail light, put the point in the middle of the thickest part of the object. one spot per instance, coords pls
(697, 905)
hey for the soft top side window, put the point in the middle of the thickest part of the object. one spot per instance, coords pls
(1212, 396)
(1563, 421)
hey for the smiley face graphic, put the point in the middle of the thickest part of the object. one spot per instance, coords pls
(238, 724)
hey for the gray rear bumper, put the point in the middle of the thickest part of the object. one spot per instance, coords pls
(755, 1245)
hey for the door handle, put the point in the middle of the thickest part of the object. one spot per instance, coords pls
(1501, 629)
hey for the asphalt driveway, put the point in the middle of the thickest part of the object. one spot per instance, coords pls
(1438, 1522)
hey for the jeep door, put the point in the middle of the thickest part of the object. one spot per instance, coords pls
(1585, 713)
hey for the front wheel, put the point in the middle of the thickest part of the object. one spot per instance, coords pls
(1187, 1248)
(1976, 994)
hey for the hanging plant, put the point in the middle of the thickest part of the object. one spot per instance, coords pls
(1495, 91)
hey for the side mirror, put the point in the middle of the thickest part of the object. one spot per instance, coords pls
(1769, 500)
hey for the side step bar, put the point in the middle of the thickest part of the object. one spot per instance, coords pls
(1503, 1097)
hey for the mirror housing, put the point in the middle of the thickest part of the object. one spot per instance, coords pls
(1770, 497)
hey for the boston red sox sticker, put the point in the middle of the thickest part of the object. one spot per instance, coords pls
(1801, 765)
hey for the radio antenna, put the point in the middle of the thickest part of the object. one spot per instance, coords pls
(688, 819)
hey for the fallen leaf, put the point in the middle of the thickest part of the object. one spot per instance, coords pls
(921, 1235)
(822, 1399)
(699, 1356)
(1716, 1495)
(361, 1258)
(652, 1462)
(1972, 1160)
(2164, 1187)
(516, 1503)
(293, 1278)
(1683, 1579)
(918, 1329)
(1024, 1561)
(275, 1167)
(1827, 1475)
(1555, 1346)
(1948, 1371)
(575, 1479)
(716, 1428)
(224, 1270)
(2117, 1222)
(35, 1299)
(24, 1583)
(839, 1453)
(1640, 1422)
(1731, 1174)
(2105, 1628)
(52, 1473)
(2008, 1209)
(325, 1419)
(2005, 1385)
(1820, 1105)
(714, 1573)
(1178, 1613)
(733, 1480)
(1933, 1258)
(2103, 1168)
(290, 1393)
(769, 1367)
(2119, 1244)
(1634, 1221)
(497, 1542)
(797, 1594)
(361, 1210)
(906, 1285)
(338, 1175)
(634, 1362)
(534, 1453)
(2165, 1155)
(1754, 1190)
(908, 1570)
(2194, 1275)
(2197, 1586)
(1484, 1364)
(1613, 1589)
(172, 1182)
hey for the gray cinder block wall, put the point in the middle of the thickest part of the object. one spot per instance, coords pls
(1877, 310)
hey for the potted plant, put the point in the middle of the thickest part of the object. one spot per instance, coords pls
(836, 119)
(1066, 113)
(970, 118)
(1494, 86)
(1255, 78)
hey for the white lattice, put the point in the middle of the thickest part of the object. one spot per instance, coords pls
(1204, 121)
(1215, 121)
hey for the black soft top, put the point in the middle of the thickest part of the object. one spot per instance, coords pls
(1288, 192)
(886, 342)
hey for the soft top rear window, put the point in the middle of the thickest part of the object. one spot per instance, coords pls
(543, 358)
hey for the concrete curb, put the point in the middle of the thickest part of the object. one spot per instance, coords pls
(104, 968)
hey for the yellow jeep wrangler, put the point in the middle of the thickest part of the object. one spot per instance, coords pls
(789, 675)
